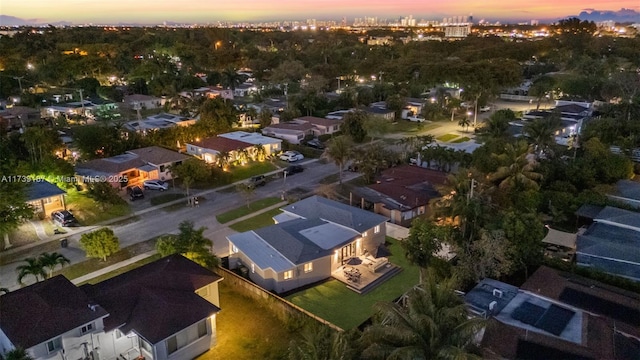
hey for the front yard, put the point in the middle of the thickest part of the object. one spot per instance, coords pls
(246, 210)
(90, 212)
(335, 303)
(258, 221)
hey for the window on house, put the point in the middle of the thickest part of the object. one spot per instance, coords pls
(376, 229)
(118, 334)
(308, 267)
(185, 337)
(288, 274)
(253, 268)
(162, 167)
(47, 200)
(87, 328)
(203, 292)
(145, 345)
(55, 344)
(364, 234)
(234, 249)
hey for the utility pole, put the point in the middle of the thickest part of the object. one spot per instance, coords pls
(473, 185)
(81, 101)
(19, 78)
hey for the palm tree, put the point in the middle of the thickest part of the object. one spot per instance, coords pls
(52, 260)
(17, 354)
(321, 342)
(230, 78)
(464, 123)
(430, 323)
(542, 132)
(339, 150)
(223, 159)
(260, 152)
(517, 173)
(32, 267)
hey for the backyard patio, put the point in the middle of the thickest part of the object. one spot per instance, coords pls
(362, 274)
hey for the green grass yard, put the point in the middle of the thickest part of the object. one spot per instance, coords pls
(461, 140)
(244, 210)
(89, 212)
(122, 270)
(347, 309)
(447, 137)
(405, 126)
(246, 171)
(258, 221)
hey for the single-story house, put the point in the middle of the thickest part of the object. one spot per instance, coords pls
(627, 192)
(274, 105)
(17, 117)
(130, 168)
(555, 316)
(45, 198)
(159, 121)
(403, 193)
(271, 145)
(244, 89)
(293, 131)
(380, 111)
(209, 149)
(163, 159)
(141, 102)
(338, 114)
(310, 240)
(80, 108)
(612, 243)
(162, 310)
(213, 92)
(321, 126)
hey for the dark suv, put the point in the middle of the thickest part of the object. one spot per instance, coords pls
(63, 218)
(293, 169)
(256, 181)
(135, 193)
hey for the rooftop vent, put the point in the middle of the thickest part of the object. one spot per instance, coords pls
(497, 293)
(492, 305)
(93, 307)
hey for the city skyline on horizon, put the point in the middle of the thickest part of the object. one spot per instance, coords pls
(159, 11)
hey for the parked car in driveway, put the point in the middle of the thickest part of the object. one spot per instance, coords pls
(291, 156)
(315, 143)
(135, 193)
(155, 185)
(416, 119)
(63, 218)
(256, 181)
(293, 169)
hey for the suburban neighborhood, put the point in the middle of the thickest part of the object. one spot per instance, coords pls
(356, 191)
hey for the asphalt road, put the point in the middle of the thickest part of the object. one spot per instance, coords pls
(164, 221)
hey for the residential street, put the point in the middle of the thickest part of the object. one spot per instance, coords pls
(158, 222)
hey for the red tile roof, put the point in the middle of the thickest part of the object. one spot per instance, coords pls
(410, 186)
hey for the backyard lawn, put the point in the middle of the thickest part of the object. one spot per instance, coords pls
(247, 330)
(244, 210)
(461, 140)
(354, 309)
(258, 221)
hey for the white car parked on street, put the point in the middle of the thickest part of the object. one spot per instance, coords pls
(291, 156)
(416, 119)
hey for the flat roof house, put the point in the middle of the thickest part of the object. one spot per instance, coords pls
(209, 149)
(293, 131)
(312, 240)
(271, 145)
(163, 310)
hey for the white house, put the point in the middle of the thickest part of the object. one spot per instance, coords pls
(141, 102)
(271, 145)
(163, 310)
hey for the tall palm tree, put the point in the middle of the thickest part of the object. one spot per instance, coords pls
(231, 78)
(518, 170)
(339, 150)
(52, 260)
(260, 152)
(32, 267)
(223, 159)
(541, 132)
(17, 354)
(430, 323)
(464, 123)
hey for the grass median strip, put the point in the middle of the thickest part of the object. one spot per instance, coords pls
(447, 137)
(246, 210)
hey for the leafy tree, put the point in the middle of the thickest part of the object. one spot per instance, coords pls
(497, 126)
(396, 103)
(190, 171)
(525, 232)
(372, 158)
(376, 127)
(18, 354)
(353, 125)
(216, 117)
(230, 78)
(339, 150)
(265, 118)
(541, 87)
(52, 260)
(13, 197)
(103, 193)
(32, 267)
(191, 243)
(488, 256)
(432, 324)
(100, 243)
(89, 85)
(424, 241)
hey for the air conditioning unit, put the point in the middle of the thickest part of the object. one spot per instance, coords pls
(497, 293)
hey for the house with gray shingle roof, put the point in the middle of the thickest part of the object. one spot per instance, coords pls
(310, 240)
(612, 243)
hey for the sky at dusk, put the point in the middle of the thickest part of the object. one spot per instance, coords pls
(204, 11)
